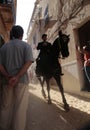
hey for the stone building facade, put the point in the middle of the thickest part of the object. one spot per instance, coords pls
(7, 17)
(72, 17)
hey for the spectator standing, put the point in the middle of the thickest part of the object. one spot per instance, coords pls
(15, 57)
(86, 53)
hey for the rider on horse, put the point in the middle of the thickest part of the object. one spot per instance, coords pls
(48, 57)
(44, 55)
(48, 66)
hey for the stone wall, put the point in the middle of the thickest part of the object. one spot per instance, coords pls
(3, 30)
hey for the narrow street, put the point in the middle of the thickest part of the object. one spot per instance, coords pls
(42, 116)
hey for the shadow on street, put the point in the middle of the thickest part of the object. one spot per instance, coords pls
(42, 116)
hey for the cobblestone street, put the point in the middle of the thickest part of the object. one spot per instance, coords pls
(42, 116)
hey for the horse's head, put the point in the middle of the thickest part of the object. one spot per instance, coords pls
(66, 38)
(64, 45)
(60, 45)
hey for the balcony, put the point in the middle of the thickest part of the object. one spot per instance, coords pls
(8, 13)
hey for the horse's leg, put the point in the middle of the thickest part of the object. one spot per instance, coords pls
(48, 90)
(43, 92)
(42, 85)
(58, 80)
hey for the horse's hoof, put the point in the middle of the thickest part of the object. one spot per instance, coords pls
(49, 102)
(66, 107)
(43, 93)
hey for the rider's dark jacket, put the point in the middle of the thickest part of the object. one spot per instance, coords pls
(44, 47)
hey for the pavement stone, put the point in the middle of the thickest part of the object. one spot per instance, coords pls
(42, 116)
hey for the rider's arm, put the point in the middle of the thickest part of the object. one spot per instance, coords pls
(39, 47)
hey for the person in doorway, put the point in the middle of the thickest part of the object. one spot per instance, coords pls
(15, 58)
(86, 53)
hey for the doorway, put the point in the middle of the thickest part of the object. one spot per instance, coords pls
(84, 38)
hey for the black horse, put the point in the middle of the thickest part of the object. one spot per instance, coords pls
(49, 66)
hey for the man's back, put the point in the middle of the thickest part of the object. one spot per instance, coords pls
(14, 55)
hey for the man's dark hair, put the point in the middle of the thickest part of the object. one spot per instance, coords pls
(16, 32)
(44, 35)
